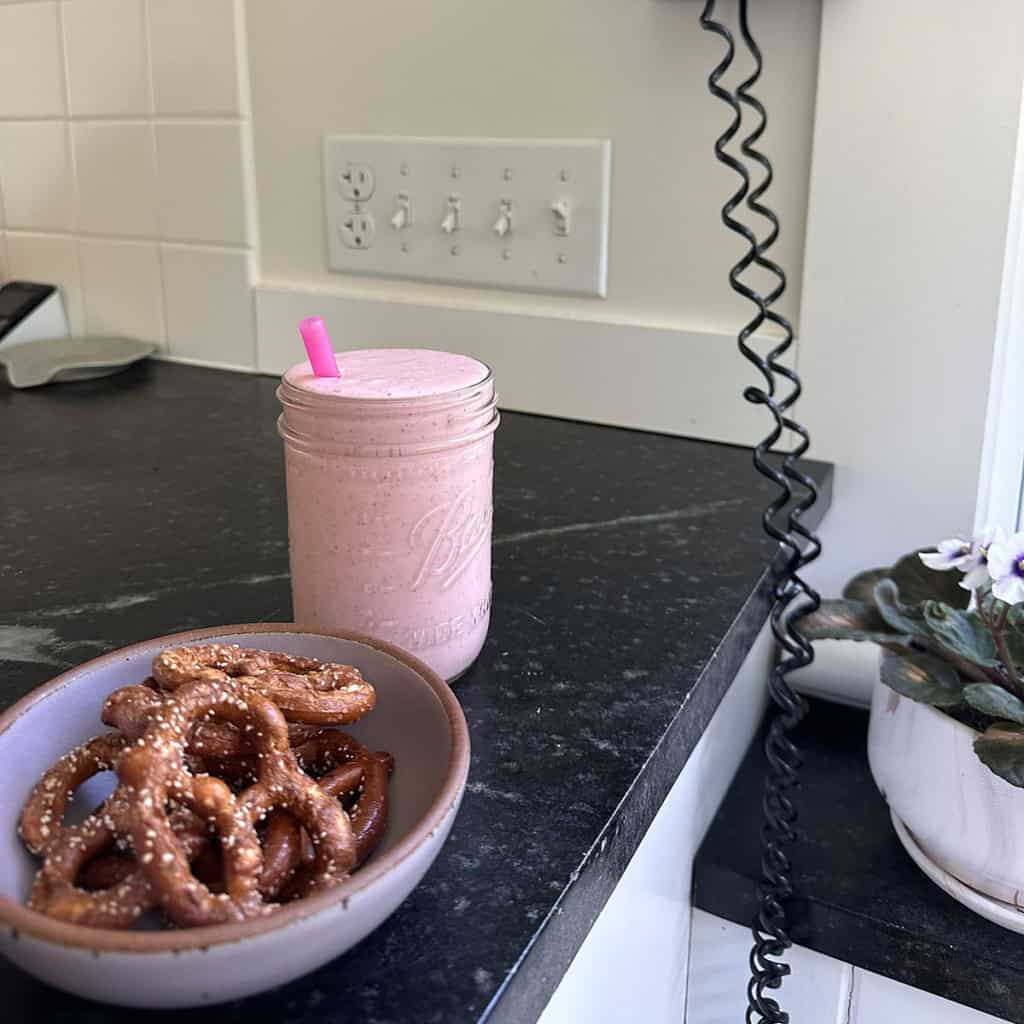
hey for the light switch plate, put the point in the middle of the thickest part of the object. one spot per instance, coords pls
(480, 178)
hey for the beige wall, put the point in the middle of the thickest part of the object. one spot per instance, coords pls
(634, 72)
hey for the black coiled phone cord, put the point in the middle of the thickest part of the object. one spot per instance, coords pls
(778, 389)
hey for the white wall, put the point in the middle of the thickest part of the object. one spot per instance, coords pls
(633, 72)
(126, 178)
(915, 135)
(660, 352)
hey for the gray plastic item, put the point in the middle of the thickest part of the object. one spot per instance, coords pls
(31, 363)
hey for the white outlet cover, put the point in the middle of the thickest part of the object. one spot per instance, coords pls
(532, 174)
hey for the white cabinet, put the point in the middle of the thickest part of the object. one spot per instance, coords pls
(880, 999)
(819, 991)
(632, 965)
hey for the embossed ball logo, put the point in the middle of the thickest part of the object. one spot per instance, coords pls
(448, 537)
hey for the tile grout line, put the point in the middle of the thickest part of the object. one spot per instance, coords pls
(247, 170)
(212, 119)
(3, 220)
(69, 141)
(147, 31)
(100, 236)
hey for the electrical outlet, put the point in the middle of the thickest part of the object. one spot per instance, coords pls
(523, 214)
(357, 229)
(356, 182)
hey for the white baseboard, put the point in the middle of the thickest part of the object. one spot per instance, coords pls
(210, 364)
(648, 377)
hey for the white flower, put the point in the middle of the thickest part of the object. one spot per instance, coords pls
(975, 566)
(1006, 566)
(951, 555)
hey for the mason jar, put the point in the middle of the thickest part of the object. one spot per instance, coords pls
(389, 471)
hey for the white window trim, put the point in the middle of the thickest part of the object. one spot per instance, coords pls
(1001, 481)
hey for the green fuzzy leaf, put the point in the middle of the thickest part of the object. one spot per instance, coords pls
(962, 633)
(991, 699)
(862, 586)
(1001, 748)
(845, 620)
(923, 678)
(900, 617)
(917, 583)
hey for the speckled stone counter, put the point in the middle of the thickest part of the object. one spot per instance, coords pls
(630, 578)
(859, 896)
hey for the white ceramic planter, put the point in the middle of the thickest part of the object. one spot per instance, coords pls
(965, 819)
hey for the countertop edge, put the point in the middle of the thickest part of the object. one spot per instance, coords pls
(533, 978)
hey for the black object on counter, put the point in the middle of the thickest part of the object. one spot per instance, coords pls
(630, 579)
(861, 899)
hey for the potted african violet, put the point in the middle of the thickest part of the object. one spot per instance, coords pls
(946, 738)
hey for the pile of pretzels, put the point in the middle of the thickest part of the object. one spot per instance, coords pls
(235, 793)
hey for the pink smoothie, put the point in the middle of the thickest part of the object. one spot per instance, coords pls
(389, 470)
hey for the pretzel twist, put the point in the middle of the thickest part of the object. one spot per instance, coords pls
(350, 773)
(41, 818)
(154, 771)
(131, 709)
(306, 690)
(120, 904)
(309, 804)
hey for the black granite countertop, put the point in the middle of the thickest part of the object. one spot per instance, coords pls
(630, 578)
(859, 896)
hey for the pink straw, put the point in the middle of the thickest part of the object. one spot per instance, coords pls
(318, 347)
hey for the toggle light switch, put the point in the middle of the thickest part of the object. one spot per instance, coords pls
(524, 214)
(562, 212)
(503, 225)
(453, 217)
(402, 217)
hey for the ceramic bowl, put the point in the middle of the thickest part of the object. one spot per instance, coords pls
(417, 718)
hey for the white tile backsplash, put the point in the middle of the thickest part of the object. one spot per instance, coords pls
(122, 288)
(116, 178)
(49, 259)
(126, 167)
(35, 175)
(105, 43)
(201, 190)
(194, 49)
(31, 64)
(209, 305)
